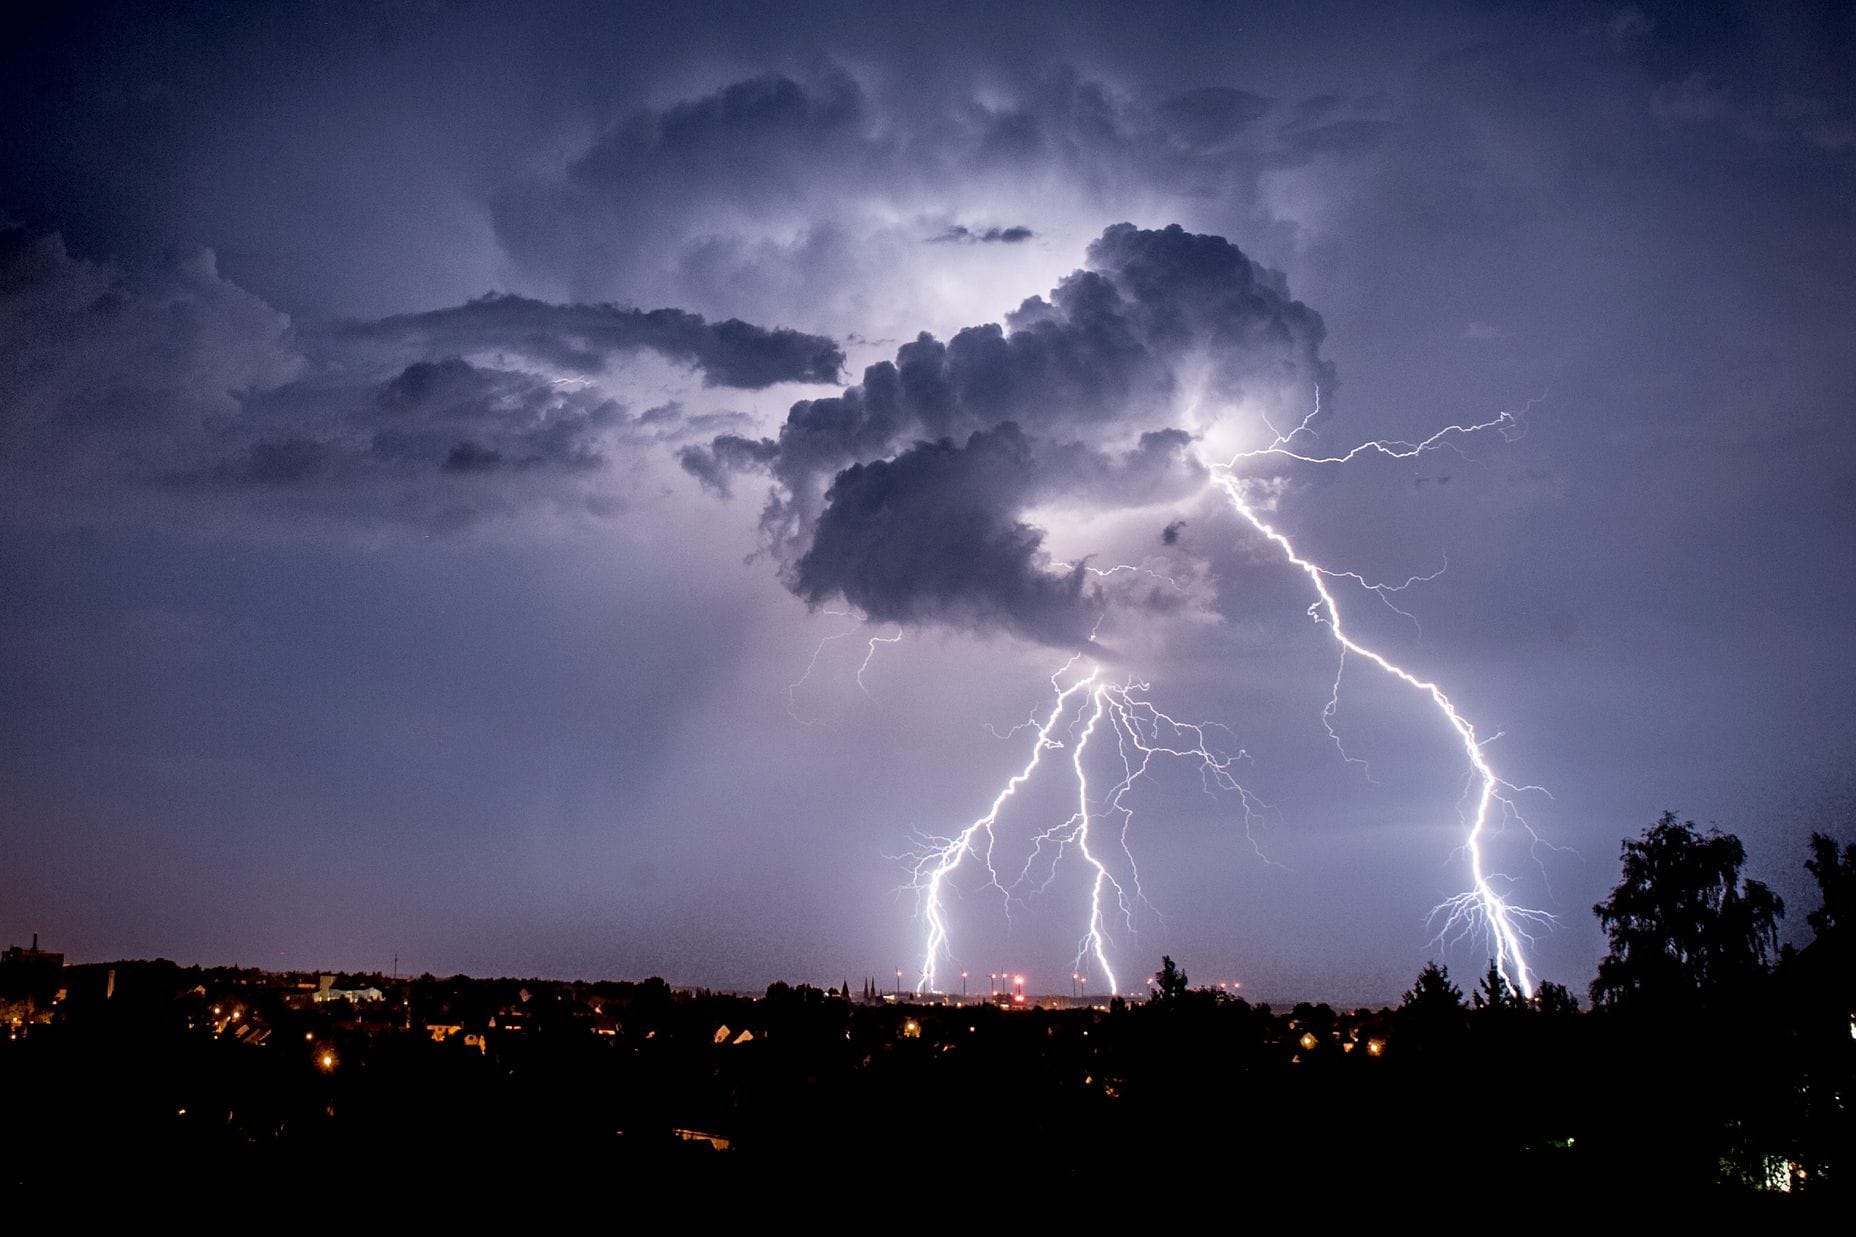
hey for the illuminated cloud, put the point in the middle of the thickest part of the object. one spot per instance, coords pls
(906, 495)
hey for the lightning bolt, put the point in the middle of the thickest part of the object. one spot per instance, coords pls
(1489, 794)
(942, 857)
(871, 656)
(1143, 733)
(792, 706)
(1092, 708)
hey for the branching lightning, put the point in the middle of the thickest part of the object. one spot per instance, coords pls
(1086, 709)
(818, 650)
(1091, 707)
(1483, 906)
(871, 656)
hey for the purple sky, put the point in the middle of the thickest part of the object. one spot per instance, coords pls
(346, 611)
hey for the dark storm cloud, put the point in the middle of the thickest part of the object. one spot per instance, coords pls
(1170, 534)
(176, 381)
(524, 419)
(929, 537)
(934, 536)
(434, 416)
(961, 234)
(725, 455)
(585, 338)
(1042, 409)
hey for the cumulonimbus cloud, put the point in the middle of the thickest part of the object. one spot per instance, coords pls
(907, 494)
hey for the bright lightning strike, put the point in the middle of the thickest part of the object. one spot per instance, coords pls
(1483, 905)
(1093, 710)
(1087, 704)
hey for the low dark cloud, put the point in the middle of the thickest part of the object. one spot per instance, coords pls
(474, 419)
(891, 493)
(1170, 534)
(930, 537)
(586, 338)
(439, 444)
(937, 535)
(174, 381)
(961, 234)
(725, 455)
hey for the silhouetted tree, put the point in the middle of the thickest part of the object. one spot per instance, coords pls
(1433, 1013)
(1169, 982)
(1681, 923)
(1836, 884)
(1434, 992)
(1820, 989)
(1495, 994)
(1555, 1000)
(1317, 1018)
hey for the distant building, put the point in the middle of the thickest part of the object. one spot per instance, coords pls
(28, 970)
(326, 991)
(30, 978)
(24, 960)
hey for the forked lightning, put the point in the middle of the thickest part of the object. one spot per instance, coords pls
(1084, 703)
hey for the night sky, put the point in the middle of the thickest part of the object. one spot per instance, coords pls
(454, 458)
